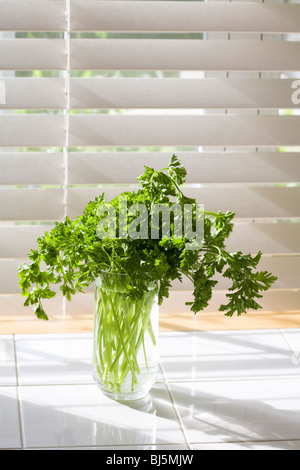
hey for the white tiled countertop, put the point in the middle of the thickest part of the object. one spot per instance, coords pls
(216, 390)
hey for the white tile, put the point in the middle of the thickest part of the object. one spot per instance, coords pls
(292, 336)
(54, 359)
(80, 415)
(160, 375)
(218, 355)
(154, 447)
(230, 341)
(7, 361)
(275, 445)
(9, 419)
(114, 448)
(254, 410)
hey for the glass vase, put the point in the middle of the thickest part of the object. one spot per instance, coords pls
(125, 357)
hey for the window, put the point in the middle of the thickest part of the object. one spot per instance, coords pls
(94, 90)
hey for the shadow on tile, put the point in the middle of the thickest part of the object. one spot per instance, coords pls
(80, 415)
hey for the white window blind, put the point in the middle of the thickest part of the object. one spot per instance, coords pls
(95, 90)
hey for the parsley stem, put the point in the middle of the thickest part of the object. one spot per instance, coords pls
(121, 327)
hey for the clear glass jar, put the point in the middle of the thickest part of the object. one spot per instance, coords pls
(125, 359)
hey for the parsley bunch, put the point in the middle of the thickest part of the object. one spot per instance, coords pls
(72, 256)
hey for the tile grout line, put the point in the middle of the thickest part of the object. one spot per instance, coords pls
(174, 407)
(162, 446)
(160, 381)
(263, 441)
(294, 353)
(236, 379)
(109, 446)
(18, 395)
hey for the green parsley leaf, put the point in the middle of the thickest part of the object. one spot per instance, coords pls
(72, 256)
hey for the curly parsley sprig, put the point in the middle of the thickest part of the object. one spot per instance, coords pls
(72, 256)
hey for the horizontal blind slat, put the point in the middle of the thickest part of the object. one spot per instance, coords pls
(105, 130)
(32, 130)
(34, 93)
(270, 238)
(181, 93)
(31, 204)
(177, 54)
(12, 305)
(33, 54)
(143, 54)
(275, 301)
(95, 93)
(202, 167)
(133, 16)
(253, 202)
(32, 15)
(17, 241)
(40, 15)
(287, 268)
(278, 202)
(31, 168)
